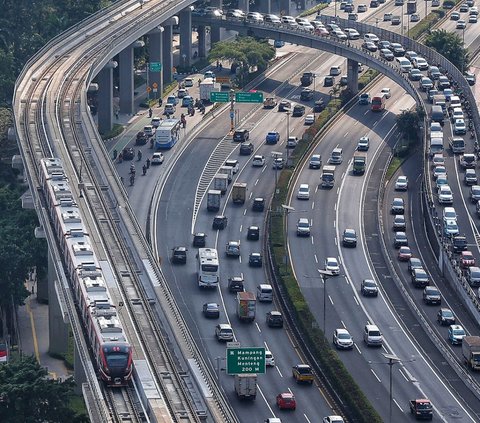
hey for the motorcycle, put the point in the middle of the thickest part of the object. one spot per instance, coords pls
(132, 179)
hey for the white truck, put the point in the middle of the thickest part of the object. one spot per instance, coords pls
(471, 351)
(328, 176)
(227, 170)
(246, 386)
(207, 86)
(213, 200)
(220, 182)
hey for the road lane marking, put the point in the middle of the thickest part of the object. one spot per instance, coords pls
(258, 327)
(374, 374)
(358, 349)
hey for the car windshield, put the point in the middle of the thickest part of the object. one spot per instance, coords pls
(344, 336)
(458, 332)
(303, 370)
(374, 333)
(369, 284)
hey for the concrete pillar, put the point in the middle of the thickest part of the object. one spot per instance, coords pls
(126, 80)
(265, 6)
(352, 76)
(215, 36)
(284, 6)
(186, 37)
(57, 327)
(202, 41)
(105, 98)
(244, 5)
(79, 375)
(155, 49)
(167, 54)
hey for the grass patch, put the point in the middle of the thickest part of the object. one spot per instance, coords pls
(426, 24)
(77, 405)
(116, 130)
(368, 76)
(395, 164)
(314, 10)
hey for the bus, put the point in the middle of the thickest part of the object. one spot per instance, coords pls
(167, 134)
(208, 268)
(378, 102)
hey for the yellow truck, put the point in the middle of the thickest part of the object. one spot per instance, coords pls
(302, 373)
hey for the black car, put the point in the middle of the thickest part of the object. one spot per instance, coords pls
(241, 135)
(329, 81)
(349, 238)
(235, 284)
(274, 319)
(199, 239)
(128, 153)
(258, 204)
(179, 255)
(431, 295)
(255, 260)
(318, 106)
(306, 94)
(246, 149)
(211, 310)
(459, 243)
(141, 138)
(369, 288)
(219, 222)
(253, 233)
(298, 110)
(284, 105)
(445, 317)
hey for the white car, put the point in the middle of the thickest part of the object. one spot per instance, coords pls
(387, 92)
(303, 192)
(309, 120)
(258, 161)
(342, 339)
(292, 142)
(449, 213)
(450, 227)
(459, 127)
(445, 195)
(401, 183)
(457, 113)
(335, 71)
(331, 265)
(439, 170)
(339, 34)
(436, 127)
(352, 34)
(188, 82)
(333, 419)
(306, 26)
(157, 158)
(441, 180)
(269, 359)
(420, 63)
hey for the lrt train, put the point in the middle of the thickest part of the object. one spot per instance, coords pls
(90, 280)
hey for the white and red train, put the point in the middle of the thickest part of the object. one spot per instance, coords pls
(89, 280)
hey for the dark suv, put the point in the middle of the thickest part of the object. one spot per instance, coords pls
(246, 149)
(241, 135)
(219, 222)
(199, 239)
(179, 255)
(459, 243)
(298, 110)
(274, 319)
(420, 278)
(258, 204)
(235, 284)
(306, 94)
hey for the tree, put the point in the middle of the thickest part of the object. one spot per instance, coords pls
(449, 45)
(408, 123)
(246, 52)
(27, 395)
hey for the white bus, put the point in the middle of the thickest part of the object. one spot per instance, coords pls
(208, 268)
(167, 134)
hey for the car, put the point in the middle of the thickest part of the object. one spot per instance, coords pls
(456, 333)
(258, 161)
(463, 8)
(278, 163)
(439, 170)
(369, 288)
(400, 240)
(303, 192)
(467, 259)
(234, 164)
(157, 159)
(372, 336)
(331, 265)
(410, 55)
(387, 92)
(284, 106)
(128, 153)
(420, 278)
(450, 228)
(315, 162)
(461, 24)
(335, 71)
(169, 109)
(329, 81)
(255, 17)
(414, 17)
(258, 204)
(370, 46)
(199, 239)
(459, 243)
(286, 401)
(436, 127)
(182, 92)
(364, 99)
(445, 195)
(374, 3)
(255, 260)
(272, 19)
(349, 238)
(470, 177)
(438, 159)
(431, 295)
(235, 14)
(401, 184)
(387, 17)
(303, 373)
(433, 72)
(333, 419)
(246, 148)
(420, 63)
(352, 34)
(339, 35)
(361, 8)
(386, 54)
(449, 213)
(426, 83)
(306, 94)
(303, 227)
(269, 359)
(211, 310)
(397, 49)
(415, 74)
(232, 249)
(398, 206)
(441, 180)
(188, 82)
(141, 138)
(274, 319)
(455, 16)
(342, 339)
(443, 82)
(383, 44)
(292, 142)
(298, 110)
(224, 332)
(241, 135)
(445, 317)
(414, 263)
(459, 127)
(474, 193)
(363, 143)
(399, 223)
(253, 233)
(457, 112)
(467, 160)
(404, 253)
(187, 101)
(318, 106)
(179, 255)
(472, 275)
(472, 19)
(272, 137)
(235, 284)
(309, 120)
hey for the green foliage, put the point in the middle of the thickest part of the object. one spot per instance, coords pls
(27, 395)
(449, 45)
(425, 24)
(314, 10)
(408, 123)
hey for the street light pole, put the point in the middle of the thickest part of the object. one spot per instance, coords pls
(392, 359)
(288, 112)
(314, 75)
(325, 274)
(287, 209)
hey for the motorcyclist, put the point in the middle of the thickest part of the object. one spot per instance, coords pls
(132, 179)
(148, 163)
(132, 169)
(144, 169)
(150, 112)
(139, 155)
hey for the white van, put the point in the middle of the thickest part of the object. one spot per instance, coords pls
(265, 292)
(436, 146)
(405, 64)
(336, 157)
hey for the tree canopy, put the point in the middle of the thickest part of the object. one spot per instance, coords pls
(408, 124)
(27, 395)
(449, 45)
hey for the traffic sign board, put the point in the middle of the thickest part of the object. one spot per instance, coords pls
(155, 66)
(219, 97)
(245, 360)
(247, 97)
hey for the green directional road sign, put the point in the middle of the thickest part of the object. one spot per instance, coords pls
(246, 97)
(155, 66)
(219, 97)
(245, 360)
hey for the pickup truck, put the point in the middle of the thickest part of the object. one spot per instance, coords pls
(302, 373)
(422, 409)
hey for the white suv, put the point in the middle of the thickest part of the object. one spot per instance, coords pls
(303, 227)
(224, 332)
(372, 336)
(303, 192)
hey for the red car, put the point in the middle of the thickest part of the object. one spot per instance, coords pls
(467, 259)
(286, 401)
(404, 254)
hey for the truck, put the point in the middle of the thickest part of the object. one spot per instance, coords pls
(306, 79)
(422, 409)
(269, 102)
(328, 176)
(471, 351)
(207, 86)
(246, 306)
(220, 182)
(246, 386)
(411, 7)
(228, 171)
(213, 200)
(359, 163)
(239, 192)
